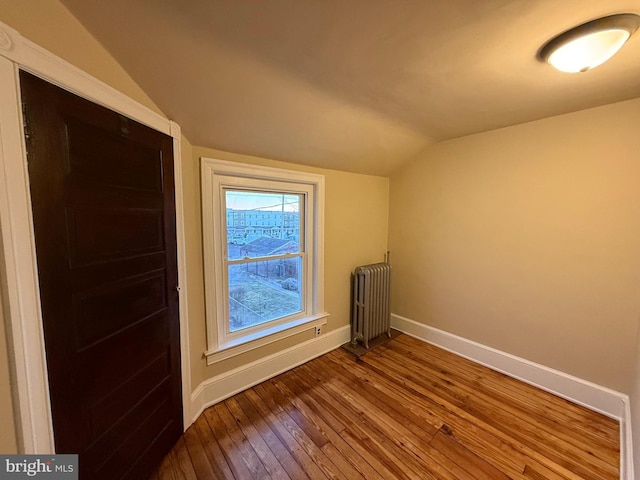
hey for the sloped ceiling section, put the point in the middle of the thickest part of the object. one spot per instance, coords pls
(356, 85)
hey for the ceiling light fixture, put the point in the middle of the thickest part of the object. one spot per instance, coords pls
(591, 44)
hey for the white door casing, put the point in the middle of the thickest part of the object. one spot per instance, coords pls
(19, 278)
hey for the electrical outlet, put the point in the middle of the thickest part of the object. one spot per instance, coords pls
(318, 330)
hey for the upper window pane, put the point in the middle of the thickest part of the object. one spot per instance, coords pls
(262, 224)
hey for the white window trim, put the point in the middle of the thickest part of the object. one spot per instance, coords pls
(219, 345)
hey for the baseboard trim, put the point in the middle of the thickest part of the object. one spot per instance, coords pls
(626, 444)
(220, 387)
(590, 395)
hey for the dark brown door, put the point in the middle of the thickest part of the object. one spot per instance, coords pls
(102, 191)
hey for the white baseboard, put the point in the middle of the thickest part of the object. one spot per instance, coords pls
(626, 444)
(595, 397)
(220, 387)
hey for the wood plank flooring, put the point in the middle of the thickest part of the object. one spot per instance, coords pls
(406, 410)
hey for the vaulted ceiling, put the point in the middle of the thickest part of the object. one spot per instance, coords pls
(357, 85)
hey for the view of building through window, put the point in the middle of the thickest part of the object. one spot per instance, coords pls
(265, 252)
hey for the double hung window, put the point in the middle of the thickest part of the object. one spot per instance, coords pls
(262, 232)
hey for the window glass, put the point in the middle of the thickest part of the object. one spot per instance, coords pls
(261, 224)
(262, 291)
(264, 263)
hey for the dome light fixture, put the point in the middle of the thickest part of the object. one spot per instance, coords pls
(591, 44)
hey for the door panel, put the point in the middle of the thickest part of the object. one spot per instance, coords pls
(115, 164)
(96, 234)
(104, 218)
(103, 311)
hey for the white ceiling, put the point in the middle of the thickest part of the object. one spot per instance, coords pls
(357, 85)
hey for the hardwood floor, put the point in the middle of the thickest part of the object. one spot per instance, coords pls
(406, 410)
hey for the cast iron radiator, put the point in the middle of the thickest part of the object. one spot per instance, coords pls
(370, 305)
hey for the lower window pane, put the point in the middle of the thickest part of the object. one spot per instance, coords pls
(263, 291)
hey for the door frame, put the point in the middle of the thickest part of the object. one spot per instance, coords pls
(18, 270)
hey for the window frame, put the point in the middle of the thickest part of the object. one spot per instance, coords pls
(222, 183)
(217, 177)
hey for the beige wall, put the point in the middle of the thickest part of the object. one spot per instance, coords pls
(526, 239)
(49, 24)
(8, 443)
(356, 211)
(635, 406)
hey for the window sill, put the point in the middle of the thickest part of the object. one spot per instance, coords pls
(264, 337)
